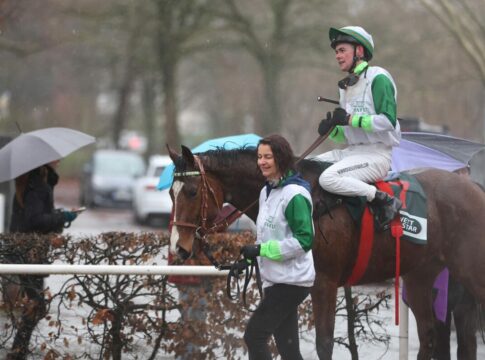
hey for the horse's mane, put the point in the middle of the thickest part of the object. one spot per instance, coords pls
(311, 166)
(220, 158)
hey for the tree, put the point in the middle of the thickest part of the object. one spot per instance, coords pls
(275, 33)
(464, 20)
(180, 24)
(466, 24)
(135, 24)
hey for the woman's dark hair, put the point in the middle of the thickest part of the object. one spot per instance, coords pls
(22, 181)
(282, 152)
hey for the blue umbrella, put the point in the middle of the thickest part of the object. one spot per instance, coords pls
(228, 143)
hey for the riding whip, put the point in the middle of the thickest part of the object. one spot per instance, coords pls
(331, 101)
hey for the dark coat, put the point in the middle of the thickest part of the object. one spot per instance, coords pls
(38, 213)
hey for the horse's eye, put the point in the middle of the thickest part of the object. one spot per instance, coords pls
(192, 193)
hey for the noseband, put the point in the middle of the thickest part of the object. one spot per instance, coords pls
(205, 189)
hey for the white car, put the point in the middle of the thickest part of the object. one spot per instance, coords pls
(149, 203)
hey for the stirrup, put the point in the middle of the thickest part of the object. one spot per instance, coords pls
(384, 219)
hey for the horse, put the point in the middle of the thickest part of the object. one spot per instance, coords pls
(455, 207)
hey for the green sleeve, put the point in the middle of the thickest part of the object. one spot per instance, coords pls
(338, 135)
(271, 250)
(362, 121)
(298, 213)
(384, 97)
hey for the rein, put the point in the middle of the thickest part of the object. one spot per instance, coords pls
(205, 190)
(235, 214)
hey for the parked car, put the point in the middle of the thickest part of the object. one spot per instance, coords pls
(108, 178)
(149, 203)
(244, 223)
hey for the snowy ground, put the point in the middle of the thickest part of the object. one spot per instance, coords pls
(366, 351)
(379, 352)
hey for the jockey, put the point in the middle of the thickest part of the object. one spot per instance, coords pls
(365, 120)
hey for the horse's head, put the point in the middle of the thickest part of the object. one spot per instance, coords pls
(197, 197)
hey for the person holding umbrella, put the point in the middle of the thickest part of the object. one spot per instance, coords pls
(31, 159)
(34, 212)
(33, 203)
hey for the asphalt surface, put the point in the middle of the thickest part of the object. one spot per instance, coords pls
(96, 220)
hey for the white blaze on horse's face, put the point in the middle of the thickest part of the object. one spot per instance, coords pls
(174, 237)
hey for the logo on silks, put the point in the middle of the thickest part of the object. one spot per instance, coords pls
(414, 226)
(269, 222)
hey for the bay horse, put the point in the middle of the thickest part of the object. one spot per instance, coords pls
(456, 224)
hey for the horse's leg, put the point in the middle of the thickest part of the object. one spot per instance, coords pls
(442, 338)
(324, 300)
(419, 287)
(466, 315)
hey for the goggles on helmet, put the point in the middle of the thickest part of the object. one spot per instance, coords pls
(343, 39)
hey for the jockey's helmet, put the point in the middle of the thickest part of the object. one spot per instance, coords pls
(355, 35)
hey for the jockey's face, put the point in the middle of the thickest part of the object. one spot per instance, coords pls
(266, 162)
(344, 54)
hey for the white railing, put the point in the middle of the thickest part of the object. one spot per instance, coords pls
(201, 270)
(2, 212)
(44, 269)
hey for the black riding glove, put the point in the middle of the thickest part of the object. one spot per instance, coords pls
(250, 251)
(325, 125)
(340, 117)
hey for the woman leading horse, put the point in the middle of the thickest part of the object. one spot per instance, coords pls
(283, 251)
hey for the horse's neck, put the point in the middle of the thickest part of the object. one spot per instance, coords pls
(241, 190)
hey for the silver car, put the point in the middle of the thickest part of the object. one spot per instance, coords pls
(108, 178)
(149, 203)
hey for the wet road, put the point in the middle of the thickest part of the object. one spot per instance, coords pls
(99, 220)
(96, 220)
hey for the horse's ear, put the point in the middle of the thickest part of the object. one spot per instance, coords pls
(188, 156)
(173, 155)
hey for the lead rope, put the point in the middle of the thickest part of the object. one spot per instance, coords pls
(239, 267)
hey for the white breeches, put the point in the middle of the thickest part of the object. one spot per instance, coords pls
(355, 168)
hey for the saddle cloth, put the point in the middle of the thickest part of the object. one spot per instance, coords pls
(413, 212)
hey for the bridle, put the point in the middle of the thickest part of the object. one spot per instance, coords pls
(204, 229)
(206, 190)
(240, 266)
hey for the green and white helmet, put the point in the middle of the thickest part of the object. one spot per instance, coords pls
(352, 35)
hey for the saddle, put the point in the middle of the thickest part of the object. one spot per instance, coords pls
(403, 186)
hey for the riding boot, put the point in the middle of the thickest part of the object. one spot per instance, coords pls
(386, 208)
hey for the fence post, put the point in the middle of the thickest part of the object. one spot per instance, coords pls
(2, 212)
(403, 329)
